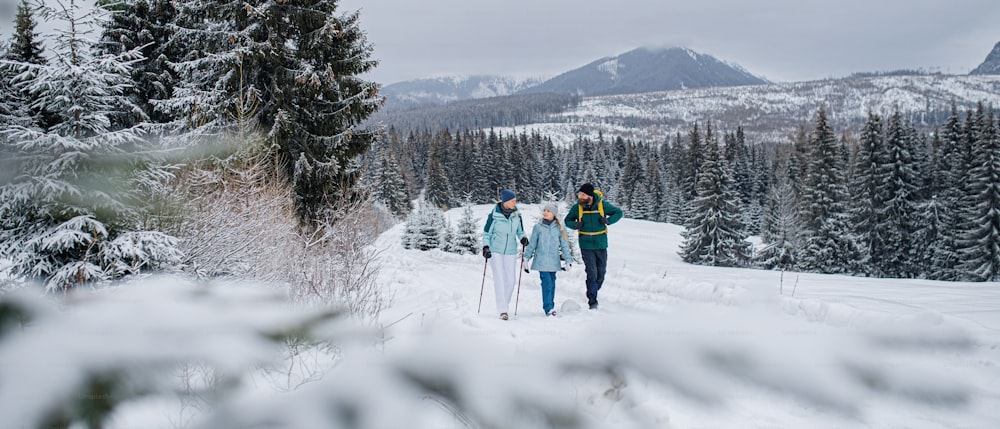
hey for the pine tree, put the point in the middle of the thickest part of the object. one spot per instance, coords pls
(438, 190)
(760, 177)
(867, 200)
(714, 235)
(448, 240)
(828, 247)
(70, 215)
(898, 183)
(691, 165)
(413, 220)
(26, 45)
(780, 228)
(20, 60)
(291, 67)
(980, 249)
(390, 187)
(467, 238)
(649, 199)
(431, 230)
(952, 170)
(631, 178)
(144, 25)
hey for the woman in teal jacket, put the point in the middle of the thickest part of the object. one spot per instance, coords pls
(548, 246)
(500, 235)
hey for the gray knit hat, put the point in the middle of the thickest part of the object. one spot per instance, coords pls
(552, 207)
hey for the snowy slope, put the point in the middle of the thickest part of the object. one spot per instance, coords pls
(841, 352)
(771, 112)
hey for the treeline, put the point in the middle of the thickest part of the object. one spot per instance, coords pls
(506, 111)
(650, 181)
(893, 203)
(889, 201)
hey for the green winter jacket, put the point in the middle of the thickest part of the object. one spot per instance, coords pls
(593, 235)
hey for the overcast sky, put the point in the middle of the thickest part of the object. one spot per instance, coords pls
(782, 40)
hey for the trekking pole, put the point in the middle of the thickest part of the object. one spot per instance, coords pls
(519, 271)
(482, 286)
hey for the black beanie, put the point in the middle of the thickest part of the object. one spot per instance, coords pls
(587, 189)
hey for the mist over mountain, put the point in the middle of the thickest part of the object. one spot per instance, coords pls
(648, 70)
(992, 63)
(445, 89)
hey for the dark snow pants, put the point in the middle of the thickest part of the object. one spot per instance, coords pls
(596, 261)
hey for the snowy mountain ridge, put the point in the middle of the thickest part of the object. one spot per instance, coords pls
(991, 65)
(443, 89)
(769, 112)
(648, 69)
(640, 70)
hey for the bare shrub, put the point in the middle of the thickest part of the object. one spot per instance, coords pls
(237, 218)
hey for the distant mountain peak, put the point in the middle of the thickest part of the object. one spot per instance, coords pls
(992, 63)
(649, 69)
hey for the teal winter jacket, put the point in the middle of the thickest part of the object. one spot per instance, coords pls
(502, 233)
(547, 241)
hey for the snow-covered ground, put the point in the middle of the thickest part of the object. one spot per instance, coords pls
(741, 350)
(672, 346)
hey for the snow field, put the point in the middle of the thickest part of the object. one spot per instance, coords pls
(729, 350)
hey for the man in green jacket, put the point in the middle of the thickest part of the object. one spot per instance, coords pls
(591, 217)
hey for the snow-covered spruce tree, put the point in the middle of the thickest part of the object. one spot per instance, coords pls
(438, 190)
(630, 182)
(951, 171)
(691, 164)
(389, 186)
(71, 213)
(780, 227)
(980, 248)
(867, 203)
(297, 64)
(431, 229)
(467, 237)
(828, 247)
(448, 239)
(144, 25)
(899, 185)
(760, 182)
(410, 229)
(713, 234)
(25, 48)
(649, 199)
(8, 105)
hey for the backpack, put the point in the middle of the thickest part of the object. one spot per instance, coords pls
(600, 209)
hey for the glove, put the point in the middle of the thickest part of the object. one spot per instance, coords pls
(603, 220)
(524, 241)
(486, 252)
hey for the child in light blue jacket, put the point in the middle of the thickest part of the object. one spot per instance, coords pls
(547, 246)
